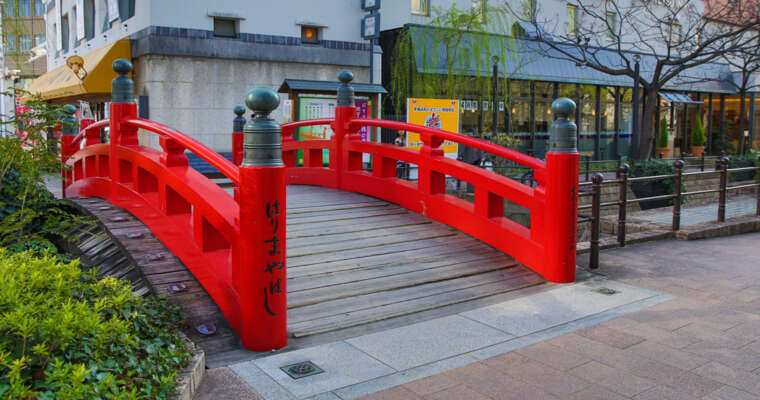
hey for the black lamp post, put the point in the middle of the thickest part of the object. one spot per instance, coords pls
(494, 89)
(635, 134)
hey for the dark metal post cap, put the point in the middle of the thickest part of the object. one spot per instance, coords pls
(624, 167)
(678, 164)
(345, 76)
(563, 107)
(724, 160)
(262, 100)
(70, 109)
(597, 178)
(239, 111)
(122, 66)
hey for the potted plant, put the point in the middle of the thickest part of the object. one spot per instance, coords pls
(662, 140)
(698, 138)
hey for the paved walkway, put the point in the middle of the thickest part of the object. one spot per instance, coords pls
(704, 343)
(700, 214)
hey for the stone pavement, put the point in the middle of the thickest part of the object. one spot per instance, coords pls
(693, 215)
(702, 344)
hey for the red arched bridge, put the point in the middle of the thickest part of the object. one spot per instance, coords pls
(235, 245)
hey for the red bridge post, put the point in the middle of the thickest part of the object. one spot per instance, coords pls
(345, 110)
(560, 220)
(122, 106)
(68, 132)
(259, 275)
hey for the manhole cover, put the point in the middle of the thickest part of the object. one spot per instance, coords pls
(606, 291)
(302, 369)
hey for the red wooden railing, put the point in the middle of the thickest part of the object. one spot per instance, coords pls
(235, 246)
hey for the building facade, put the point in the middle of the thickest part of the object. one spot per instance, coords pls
(23, 29)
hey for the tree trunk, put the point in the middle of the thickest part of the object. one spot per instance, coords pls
(646, 137)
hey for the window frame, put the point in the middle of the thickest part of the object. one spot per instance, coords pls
(24, 38)
(24, 5)
(235, 31)
(317, 34)
(10, 44)
(424, 7)
(611, 27)
(39, 8)
(574, 31)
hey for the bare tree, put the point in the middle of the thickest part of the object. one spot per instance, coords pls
(746, 64)
(671, 36)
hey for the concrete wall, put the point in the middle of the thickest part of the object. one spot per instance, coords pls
(196, 95)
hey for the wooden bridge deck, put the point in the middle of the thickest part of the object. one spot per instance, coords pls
(352, 260)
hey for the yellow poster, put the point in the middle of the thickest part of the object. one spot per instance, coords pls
(433, 113)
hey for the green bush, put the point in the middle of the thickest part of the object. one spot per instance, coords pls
(698, 137)
(66, 335)
(662, 141)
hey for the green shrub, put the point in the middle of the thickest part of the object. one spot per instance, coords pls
(662, 141)
(698, 137)
(66, 335)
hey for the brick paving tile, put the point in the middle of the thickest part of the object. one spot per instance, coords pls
(709, 334)
(553, 381)
(595, 393)
(506, 362)
(741, 379)
(734, 358)
(432, 384)
(396, 393)
(613, 379)
(612, 337)
(222, 383)
(667, 355)
(676, 378)
(506, 388)
(598, 351)
(457, 393)
(754, 346)
(730, 393)
(553, 356)
(663, 393)
(659, 335)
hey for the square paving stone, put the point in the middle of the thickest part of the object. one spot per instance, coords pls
(554, 307)
(410, 346)
(343, 365)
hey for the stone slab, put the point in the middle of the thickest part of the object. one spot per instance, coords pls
(425, 342)
(564, 304)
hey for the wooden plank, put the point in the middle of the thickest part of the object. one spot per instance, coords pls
(347, 320)
(398, 232)
(371, 300)
(409, 257)
(346, 226)
(330, 278)
(308, 208)
(333, 248)
(392, 282)
(377, 250)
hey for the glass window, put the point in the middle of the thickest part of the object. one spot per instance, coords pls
(608, 110)
(10, 43)
(479, 6)
(65, 32)
(39, 39)
(126, 9)
(519, 89)
(39, 8)
(528, 9)
(420, 7)
(24, 8)
(25, 42)
(310, 34)
(225, 27)
(545, 90)
(572, 20)
(10, 8)
(611, 25)
(89, 19)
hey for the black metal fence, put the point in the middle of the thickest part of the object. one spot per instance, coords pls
(593, 188)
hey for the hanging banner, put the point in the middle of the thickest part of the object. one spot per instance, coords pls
(433, 113)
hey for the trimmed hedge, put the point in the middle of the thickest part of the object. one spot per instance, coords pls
(66, 335)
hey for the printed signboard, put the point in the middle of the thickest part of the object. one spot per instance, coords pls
(324, 107)
(433, 113)
(371, 26)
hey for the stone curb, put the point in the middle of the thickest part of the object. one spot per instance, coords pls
(734, 226)
(189, 379)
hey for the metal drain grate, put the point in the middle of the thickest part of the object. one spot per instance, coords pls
(301, 370)
(606, 291)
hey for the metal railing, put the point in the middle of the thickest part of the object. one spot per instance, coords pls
(594, 190)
